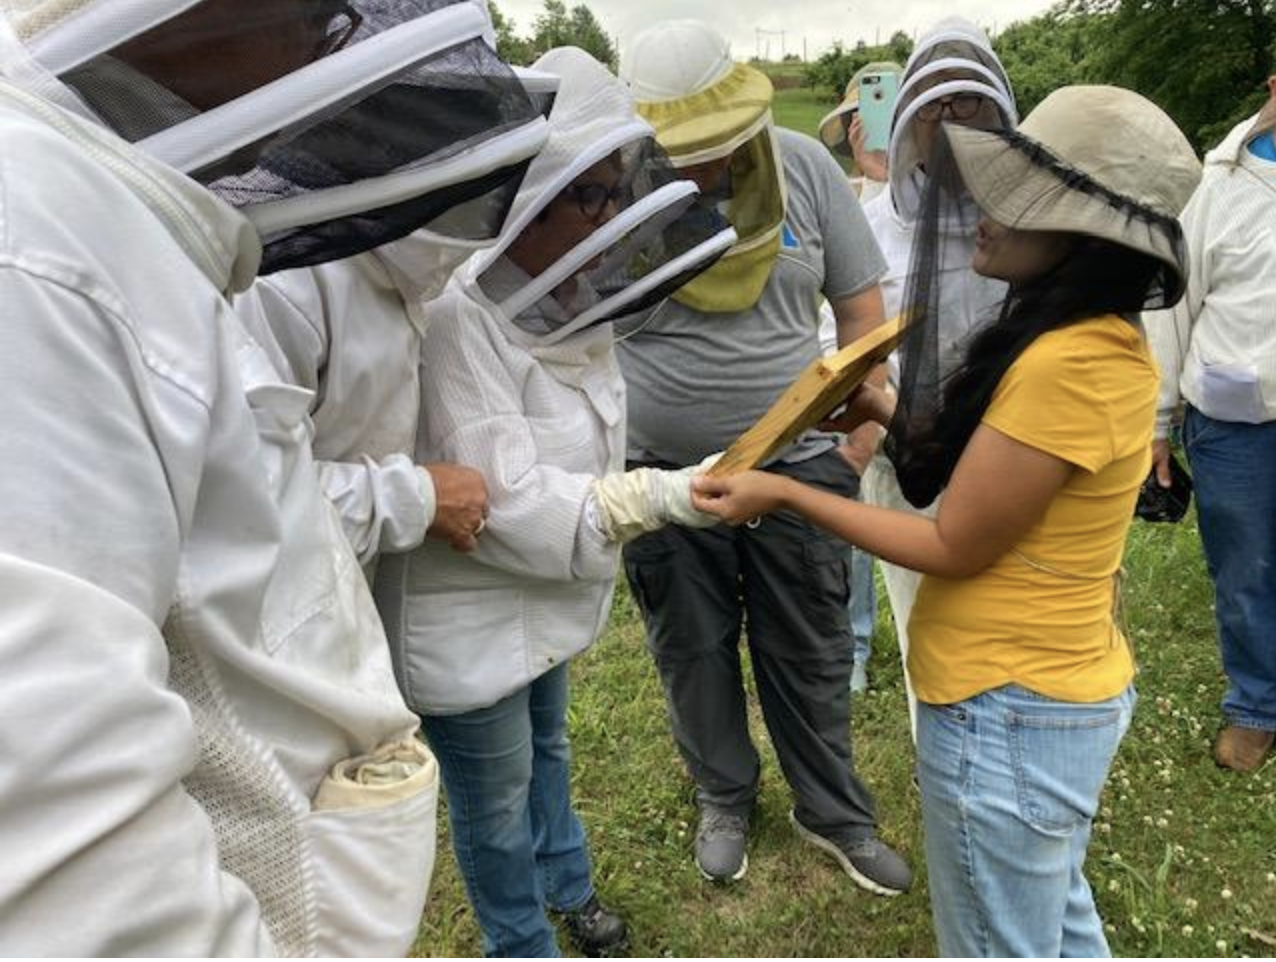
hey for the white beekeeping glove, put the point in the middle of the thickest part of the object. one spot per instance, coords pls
(631, 503)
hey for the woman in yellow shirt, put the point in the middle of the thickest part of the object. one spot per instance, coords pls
(1040, 443)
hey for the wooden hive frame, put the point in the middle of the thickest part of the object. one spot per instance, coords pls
(817, 392)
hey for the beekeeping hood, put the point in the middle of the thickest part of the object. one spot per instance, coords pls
(952, 58)
(704, 107)
(661, 234)
(335, 127)
(422, 262)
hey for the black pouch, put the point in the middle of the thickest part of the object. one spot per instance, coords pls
(1165, 504)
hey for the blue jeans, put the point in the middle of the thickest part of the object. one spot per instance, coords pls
(1010, 782)
(862, 607)
(1234, 474)
(520, 847)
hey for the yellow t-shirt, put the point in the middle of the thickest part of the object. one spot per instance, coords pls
(1041, 615)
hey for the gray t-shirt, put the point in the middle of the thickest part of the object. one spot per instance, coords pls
(696, 381)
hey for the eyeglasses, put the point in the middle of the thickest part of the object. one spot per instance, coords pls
(958, 107)
(340, 28)
(593, 199)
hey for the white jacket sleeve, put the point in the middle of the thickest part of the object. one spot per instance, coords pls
(1169, 331)
(385, 505)
(338, 334)
(104, 851)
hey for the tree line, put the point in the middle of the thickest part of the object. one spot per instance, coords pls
(1203, 61)
(555, 26)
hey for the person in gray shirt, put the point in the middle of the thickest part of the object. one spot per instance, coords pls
(700, 369)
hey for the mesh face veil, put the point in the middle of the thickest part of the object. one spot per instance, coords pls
(621, 229)
(334, 126)
(1100, 168)
(953, 65)
(705, 108)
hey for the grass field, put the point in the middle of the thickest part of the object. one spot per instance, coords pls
(1183, 858)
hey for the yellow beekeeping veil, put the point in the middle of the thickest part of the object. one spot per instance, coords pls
(704, 107)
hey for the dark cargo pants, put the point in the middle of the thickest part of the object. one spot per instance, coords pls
(785, 583)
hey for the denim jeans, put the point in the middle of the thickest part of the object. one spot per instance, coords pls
(862, 607)
(520, 847)
(1234, 475)
(1010, 783)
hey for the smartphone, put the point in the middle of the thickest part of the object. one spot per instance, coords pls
(877, 106)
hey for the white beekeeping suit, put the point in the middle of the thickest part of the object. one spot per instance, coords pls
(519, 379)
(350, 332)
(204, 749)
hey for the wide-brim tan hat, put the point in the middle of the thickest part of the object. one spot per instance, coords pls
(832, 130)
(1095, 160)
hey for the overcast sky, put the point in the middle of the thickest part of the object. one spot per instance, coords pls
(815, 23)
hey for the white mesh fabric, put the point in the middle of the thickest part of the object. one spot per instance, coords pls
(258, 830)
(400, 98)
(660, 236)
(593, 115)
(65, 33)
(953, 57)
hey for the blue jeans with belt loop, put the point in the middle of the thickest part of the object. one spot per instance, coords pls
(1010, 783)
(1234, 475)
(518, 842)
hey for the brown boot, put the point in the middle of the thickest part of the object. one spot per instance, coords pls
(1242, 749)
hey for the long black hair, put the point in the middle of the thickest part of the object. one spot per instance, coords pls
(938, 410)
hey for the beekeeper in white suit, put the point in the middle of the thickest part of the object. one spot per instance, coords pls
(350, 332)
(204, 749)
(519, 379)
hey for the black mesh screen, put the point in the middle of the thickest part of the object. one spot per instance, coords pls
(662, 238)
(445, 104)
(485, 202)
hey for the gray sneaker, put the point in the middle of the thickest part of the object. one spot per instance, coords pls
(870, 862)
(720, 843)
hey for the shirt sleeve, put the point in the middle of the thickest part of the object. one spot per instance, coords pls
(385, 504)
(1063, 395)
(1170, 331)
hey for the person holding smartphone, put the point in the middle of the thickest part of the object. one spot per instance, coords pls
(864, 135)
(843, 130)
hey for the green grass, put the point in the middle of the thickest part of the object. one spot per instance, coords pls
(1183, 858)
(800, 109)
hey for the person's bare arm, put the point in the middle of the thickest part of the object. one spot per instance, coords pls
(460, 504)
(999, 490)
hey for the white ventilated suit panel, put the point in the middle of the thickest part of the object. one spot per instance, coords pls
(467, 630)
